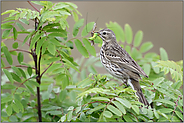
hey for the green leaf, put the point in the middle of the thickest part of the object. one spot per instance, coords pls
(5, 34)
(54, 41)
(127, 118)
(120, 106)
(19, 105)
(69, 64)
(17, 16)
(87, 29)
(62, 95)
(48, 14)
(77, 109)
(91, 69)
(156, 114)
(57, 34)
(22, 72)
(69, 116)
(136, 109)
(24, 21)
(6, 99)
(20, 57)
(23, 14)
(7, 25)
(16, 70)
(117, 29)
(63, 118)
(26, 38)
(135, 54)
(107, 114)
(39, 44)
(88, 46)
(138, 38)
(128, 49)
(100, 98)
(44, 46)
(16, 77)
(29, 70)
(15, 45)
(9, 110)
(150, 113)
(9, 18)
(7, 12)
(76, 27)
(20, 26)
(54, 112)
(7, 55)
(60, 6)
(53, 67)
(15, 108)
(147, 68)
(165, 101)
(124, 102)
(157, 81)
(81, 48)
(97, 108)
(8, 75)
(114, 110)
(156, 69)
(145, 47)
(75, 16)
(69, 44)
(35, 39)
(65, 81)
(51, 48)
(163, 54)
(165, 110)
(28, 86)
(179, 114)
(128, 33)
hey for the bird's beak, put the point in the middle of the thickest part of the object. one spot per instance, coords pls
(97, 33)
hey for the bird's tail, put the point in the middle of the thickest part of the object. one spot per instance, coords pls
(136, 86)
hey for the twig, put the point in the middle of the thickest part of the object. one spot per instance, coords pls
(59, 55)
(33, 6)
(175, 106)
(18, 50)
(46, 69)
(18, 66)
(22, 84)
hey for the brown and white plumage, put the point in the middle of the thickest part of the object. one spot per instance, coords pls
(119, 63)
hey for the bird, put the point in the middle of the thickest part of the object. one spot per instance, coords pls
(120, 64)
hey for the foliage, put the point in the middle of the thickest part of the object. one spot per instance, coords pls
(72, 90)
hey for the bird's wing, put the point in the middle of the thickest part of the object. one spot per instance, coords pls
(119, 56)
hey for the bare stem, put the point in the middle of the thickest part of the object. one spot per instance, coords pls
(33, 6)
(18, 50)
(22, 84)
(18, 66)
(175, 106)
(46, 69)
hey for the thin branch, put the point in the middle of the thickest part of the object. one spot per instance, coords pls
(33, 6)
(22, 84)
(18, 50)
(46, 69)
(175, 106)
(59, 55)
(18, 66)
(22, 50)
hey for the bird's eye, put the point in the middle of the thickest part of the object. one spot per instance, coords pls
(104, 33)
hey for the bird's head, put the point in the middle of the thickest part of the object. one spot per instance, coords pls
(107, 35)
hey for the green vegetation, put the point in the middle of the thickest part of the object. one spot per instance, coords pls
(72, 90)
